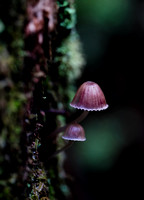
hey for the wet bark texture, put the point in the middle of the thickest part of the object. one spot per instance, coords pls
(40, 59)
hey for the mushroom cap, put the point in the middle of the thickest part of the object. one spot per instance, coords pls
(74, 132)
(89, 97)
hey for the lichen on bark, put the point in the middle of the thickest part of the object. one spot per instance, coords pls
(40, 59)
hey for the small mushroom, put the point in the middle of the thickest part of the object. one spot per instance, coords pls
(89, 97)
(74, 132)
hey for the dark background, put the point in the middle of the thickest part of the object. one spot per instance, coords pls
(110, 164)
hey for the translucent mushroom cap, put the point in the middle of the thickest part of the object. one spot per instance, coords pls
(89, 97)
(74, 132)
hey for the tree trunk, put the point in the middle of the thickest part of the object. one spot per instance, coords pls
(40, 59)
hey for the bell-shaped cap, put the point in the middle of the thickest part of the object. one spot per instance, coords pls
(89, 97)
(74, 132)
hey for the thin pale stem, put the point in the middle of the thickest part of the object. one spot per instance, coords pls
(62, 149)
(81, 117)
(57, 131)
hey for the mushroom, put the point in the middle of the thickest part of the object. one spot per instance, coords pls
(73, 132)
(89, 97)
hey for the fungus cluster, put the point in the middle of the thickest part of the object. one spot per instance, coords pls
(89, 97)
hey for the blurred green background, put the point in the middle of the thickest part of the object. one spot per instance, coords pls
(110, 163)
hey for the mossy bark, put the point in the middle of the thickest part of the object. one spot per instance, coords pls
(40, 58)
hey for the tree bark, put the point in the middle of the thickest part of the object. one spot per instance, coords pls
(40, 60)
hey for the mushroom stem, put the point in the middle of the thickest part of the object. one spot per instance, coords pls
(62, 149)
(57, 131)
(82, 116)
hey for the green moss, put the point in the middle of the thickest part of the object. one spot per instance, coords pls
(70, 58)
(67, 14)
(70, 61)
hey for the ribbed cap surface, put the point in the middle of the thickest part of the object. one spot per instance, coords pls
(89, 97)
(74, 132)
